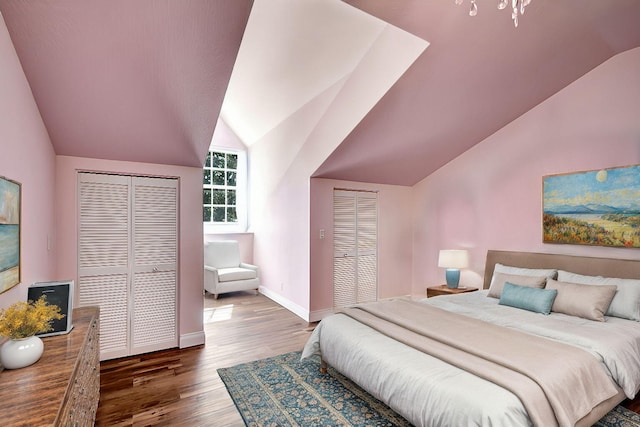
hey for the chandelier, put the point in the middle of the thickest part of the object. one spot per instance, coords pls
(517, 8)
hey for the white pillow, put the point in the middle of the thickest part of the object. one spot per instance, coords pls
(549, 273)
(625, 303)
(499, 279)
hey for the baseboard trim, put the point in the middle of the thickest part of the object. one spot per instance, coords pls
(286, 303)
(193, 339)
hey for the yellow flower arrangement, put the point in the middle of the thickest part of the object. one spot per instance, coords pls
(25, 319)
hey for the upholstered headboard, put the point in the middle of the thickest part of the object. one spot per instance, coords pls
(591, 266)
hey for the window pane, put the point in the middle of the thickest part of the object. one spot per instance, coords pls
(206, 177)
(231, 197)
(206, 217)
(218, 177)
(218, 160)
(232, 161)
(231, 179)
(218, 197)
(206, 196)
(207, 162)
(218, 214)
(231, 215)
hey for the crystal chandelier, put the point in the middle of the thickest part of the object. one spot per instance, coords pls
(517, 8)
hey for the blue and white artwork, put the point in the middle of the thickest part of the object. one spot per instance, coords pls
(9, 234)
(600, 207)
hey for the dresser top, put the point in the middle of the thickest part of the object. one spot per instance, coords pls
(39, 389)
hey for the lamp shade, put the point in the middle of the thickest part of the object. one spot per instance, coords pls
(453, 258)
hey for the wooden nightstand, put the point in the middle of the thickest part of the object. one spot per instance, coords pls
(434, 291)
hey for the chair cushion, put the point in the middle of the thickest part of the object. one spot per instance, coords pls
(222, 254)
(232, 274)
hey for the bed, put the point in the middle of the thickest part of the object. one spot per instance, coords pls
(494, 357)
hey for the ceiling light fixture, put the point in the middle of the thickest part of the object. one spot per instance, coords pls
(517, 8)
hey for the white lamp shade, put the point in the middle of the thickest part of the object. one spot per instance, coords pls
(453, 258)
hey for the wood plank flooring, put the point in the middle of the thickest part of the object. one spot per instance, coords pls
(182, 387)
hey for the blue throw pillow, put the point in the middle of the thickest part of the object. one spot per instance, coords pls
(527, 298)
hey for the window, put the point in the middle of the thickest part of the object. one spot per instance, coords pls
(223, 185)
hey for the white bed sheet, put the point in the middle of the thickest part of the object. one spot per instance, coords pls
(429, 392)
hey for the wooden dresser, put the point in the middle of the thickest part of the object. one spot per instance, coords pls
(63, 387)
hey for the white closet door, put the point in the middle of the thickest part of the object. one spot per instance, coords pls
(355, 223)
(127, 260)
(367, 229)
(103, 256)
(155, 231)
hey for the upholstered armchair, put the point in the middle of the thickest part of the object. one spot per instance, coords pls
(223, 270)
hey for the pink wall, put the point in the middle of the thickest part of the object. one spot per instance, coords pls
(394, 240)
(490, 197)
(190, 264)
(27, 157)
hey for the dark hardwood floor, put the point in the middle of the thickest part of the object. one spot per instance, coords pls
(182, 387)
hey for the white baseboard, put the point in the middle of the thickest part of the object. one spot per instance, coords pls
(286, 303)
(309, 316)
(192, 339)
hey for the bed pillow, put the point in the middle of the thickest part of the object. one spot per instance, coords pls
(527, 298)
(626, 302)
(551, 273)
(499, 279)
(586, 301)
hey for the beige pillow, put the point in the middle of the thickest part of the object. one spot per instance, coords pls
(625, 304)
(586, 301)
(499, 279)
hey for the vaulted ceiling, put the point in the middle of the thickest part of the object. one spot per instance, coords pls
(145, 80)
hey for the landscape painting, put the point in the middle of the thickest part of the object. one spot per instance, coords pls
(9, 234)
(600, 207)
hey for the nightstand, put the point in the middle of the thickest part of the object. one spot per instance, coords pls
(434, 291)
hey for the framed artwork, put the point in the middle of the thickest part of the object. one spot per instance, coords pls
(600, 207)
(9, 233)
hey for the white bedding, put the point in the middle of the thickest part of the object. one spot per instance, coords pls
(429, 392)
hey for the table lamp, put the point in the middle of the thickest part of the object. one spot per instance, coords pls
(453, 260)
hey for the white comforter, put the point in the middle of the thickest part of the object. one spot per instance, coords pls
(430, 392)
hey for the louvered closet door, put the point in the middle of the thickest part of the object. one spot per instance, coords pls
(127, 260)
(355, 223)
(103, 256)
(155, 230)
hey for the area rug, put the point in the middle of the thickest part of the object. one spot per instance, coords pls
(285, 391)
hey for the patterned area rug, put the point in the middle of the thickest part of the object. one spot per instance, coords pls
(284, 391)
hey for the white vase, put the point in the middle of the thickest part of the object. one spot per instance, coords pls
(22, 352)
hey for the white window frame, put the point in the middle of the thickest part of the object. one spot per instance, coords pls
(241, 196)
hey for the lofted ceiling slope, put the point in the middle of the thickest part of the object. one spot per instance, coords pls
(128, 80)
(478, 75)
(145, 80)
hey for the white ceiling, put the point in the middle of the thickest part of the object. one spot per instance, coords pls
(293, 52)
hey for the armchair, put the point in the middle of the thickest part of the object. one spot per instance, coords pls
(223, 270)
